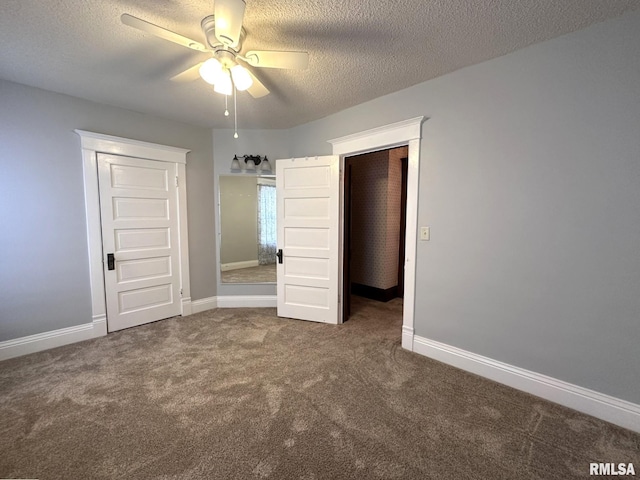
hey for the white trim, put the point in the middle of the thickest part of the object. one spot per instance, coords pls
(605, 407)
(411, 235)
(183, 238)
(407, 132)
(55, 338)
(131, 148)
(407, 337)
(204, 304)
(100, 325)
(251, 301)
(225, 267)
(267, 181)
(94, 143)
(187, 306)
(233, 301)
(94, 235)
(385, 136)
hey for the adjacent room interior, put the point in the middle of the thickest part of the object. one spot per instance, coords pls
(375, 186)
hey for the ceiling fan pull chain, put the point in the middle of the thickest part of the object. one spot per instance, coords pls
(235, 111)
(226, 109)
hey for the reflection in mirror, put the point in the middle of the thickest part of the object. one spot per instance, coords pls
(248, 229)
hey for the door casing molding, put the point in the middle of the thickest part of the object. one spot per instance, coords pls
(93, 143)
(407, 132)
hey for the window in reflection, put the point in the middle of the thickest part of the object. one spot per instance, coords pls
(266, 223)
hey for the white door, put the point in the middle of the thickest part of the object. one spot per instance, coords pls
(307, 191)
(138, 204)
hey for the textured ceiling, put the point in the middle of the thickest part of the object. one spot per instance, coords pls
(359, 49)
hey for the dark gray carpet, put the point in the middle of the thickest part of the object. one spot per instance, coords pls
(259, 274)
(242, 394)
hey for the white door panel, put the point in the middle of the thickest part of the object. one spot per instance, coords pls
(140, 239)
(309, 208)
(143, 269)
(307, 267)
(138, 203)
(307, 198)
(142, 299)
(307, 238)
(139, 178)
(132, 208)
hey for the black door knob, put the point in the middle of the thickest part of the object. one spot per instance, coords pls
(111, 261)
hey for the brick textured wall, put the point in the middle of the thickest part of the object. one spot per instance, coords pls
(375, 224)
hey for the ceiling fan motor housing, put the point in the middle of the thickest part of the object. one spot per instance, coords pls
(208, 25)
(226, 57)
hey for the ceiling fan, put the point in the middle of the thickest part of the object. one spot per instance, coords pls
(227, 68)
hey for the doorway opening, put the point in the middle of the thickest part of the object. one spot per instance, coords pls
(375, 200)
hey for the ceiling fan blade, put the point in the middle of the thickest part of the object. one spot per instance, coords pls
(274, 59)
(147, 27)
(228, 20)
(257, 89)
(189, 75)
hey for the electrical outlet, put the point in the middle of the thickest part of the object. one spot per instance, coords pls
(425, 233)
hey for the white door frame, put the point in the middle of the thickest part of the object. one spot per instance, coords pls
(407, 132)
(92, 144)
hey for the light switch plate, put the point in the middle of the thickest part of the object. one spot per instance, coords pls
(425, 233)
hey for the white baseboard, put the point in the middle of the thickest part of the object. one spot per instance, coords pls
(98, 327)
(187, 307)
(605, 407)
(55, 338)
(204, 304)
(407, 337)
(233, 301)
(238, 265)
(238, 301)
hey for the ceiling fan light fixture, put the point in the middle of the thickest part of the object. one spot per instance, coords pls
(241, 77)
(223, 83)
(211, 70)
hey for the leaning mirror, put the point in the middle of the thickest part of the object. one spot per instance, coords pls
(247, 229)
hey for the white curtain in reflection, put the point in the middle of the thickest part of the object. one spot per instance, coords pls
(266, 224)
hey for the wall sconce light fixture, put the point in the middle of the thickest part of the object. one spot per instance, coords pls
(251, 164)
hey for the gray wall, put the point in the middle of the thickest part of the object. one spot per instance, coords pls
(238, 219)
(272, 143)
(44, 273)
(530, 181)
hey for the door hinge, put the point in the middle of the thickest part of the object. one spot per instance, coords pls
(176, 180)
